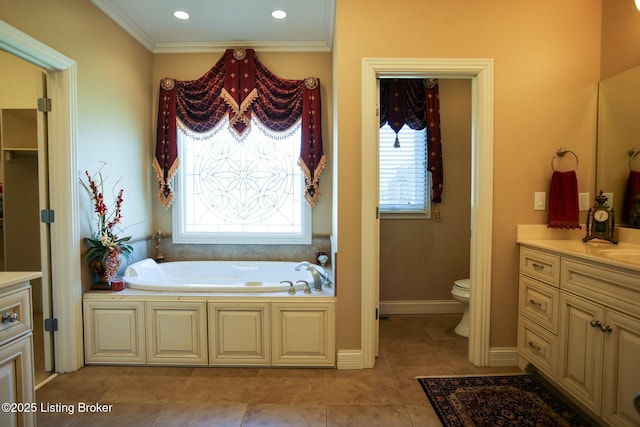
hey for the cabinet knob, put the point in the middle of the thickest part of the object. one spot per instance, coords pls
(595, 324)
(10, 317)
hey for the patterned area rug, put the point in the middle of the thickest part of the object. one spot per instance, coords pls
(514, 400)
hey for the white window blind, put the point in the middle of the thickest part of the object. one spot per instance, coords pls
(404, 178)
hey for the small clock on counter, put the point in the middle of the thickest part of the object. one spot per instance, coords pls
(600, 221)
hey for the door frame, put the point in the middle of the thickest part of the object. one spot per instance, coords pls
(480, 72)
(63, 184)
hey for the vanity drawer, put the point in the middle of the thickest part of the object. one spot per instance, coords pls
(539, 302)
(538, 346)
(15, 314)
(540, 265)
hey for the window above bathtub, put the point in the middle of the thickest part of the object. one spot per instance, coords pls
(240, 190)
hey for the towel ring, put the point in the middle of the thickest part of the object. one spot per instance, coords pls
(560, 153)
(632, 154)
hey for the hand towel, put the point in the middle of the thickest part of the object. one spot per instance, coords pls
(633, 188)
(564, 211)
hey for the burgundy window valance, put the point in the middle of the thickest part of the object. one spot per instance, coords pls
(415, 102)
(239, 85)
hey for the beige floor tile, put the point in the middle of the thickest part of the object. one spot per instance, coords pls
(203, 415)
(364, 389)
(214, 389)
(282, 415)
(72, 388)
(423, 415)
(145, 388)
(368, 415)
(286, 390)
(124, 415)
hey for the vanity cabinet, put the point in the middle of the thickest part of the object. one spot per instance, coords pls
(16, 348)
(593, 351)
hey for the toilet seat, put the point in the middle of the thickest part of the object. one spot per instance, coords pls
(461, 288)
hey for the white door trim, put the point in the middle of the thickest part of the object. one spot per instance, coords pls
(63, 184)
(480, 71)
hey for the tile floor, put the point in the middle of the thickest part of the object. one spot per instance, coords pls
(387, 395)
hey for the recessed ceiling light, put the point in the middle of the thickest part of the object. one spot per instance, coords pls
(181, 14)
(279, 14)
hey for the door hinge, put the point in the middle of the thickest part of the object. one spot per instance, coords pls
(51, 324)
(47, 216)
(44, 105)
(376, 314)
(377, 212)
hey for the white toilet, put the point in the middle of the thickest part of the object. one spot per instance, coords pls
(460, 292)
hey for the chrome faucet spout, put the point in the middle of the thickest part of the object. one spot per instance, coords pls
(318, 279)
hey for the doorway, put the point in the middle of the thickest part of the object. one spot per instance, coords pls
(480, 71)
(63, 185)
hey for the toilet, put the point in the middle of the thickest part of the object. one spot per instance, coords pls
(460, 292)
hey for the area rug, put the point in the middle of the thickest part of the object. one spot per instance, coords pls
(499, 400)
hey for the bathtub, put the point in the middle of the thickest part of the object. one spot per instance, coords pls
(216, 276)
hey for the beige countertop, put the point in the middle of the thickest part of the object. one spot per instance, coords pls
(625, 254)
(10, 278)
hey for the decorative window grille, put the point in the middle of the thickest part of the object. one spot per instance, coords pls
(241, 190)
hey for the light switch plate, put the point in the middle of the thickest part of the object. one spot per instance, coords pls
(539, 201)
(583, 200)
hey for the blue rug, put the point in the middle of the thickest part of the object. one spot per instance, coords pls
(498, 400)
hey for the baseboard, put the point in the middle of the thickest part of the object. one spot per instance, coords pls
(498, 356)
(421, 307)
(503, 356)
(350, 359)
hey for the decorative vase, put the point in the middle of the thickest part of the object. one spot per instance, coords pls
(104, 272)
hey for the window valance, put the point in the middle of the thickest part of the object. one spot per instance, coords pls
(238, 85)
(415, 102)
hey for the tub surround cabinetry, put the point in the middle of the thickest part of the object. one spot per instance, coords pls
(579, 321)
(16, 346)
(156, 328)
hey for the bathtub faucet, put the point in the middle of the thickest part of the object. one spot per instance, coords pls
(319, 278)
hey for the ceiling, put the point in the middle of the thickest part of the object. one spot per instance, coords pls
(216, 25)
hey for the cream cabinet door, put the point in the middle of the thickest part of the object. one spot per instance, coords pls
(581, 341)
(16, 381)
(239, 333)
(176, 332)
(303, 334)
(621, 370)
(114, 332)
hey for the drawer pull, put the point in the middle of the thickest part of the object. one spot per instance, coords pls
(535, 303)
(595, 324)
(537, 267)
(535, 347)
(10, 317)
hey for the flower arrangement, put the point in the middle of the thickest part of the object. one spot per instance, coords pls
(105, 247)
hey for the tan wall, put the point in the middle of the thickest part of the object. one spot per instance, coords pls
(620, 37)
(546, 69)
(286, 65)
(114, 93)
(421, 258)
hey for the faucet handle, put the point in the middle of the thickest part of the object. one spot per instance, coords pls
(307, 289)
(292, 289)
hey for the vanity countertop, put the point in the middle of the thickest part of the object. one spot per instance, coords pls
(10, 278)
(625, 254)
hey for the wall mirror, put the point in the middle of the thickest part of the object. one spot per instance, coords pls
(618, 135)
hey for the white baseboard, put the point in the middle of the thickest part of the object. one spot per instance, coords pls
(498, 356)
(350, 359)
(421, 307)
(503, 356)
